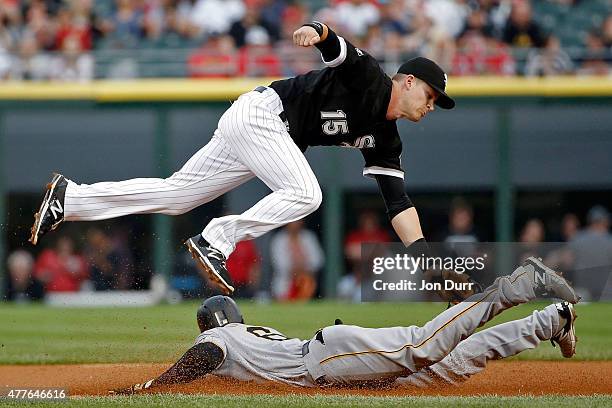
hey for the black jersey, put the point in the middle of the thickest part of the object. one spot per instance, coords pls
(344, 104)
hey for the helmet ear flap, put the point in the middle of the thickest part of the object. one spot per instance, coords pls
(204, 319)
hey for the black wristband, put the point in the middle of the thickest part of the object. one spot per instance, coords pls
(420, 247)
(317, 26)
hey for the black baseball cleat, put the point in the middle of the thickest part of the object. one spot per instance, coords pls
(51, 211)
(211, 261)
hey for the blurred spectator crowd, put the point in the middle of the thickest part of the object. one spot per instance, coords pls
(586, 257)
(104, 263)
(77, 40)
(583, 253)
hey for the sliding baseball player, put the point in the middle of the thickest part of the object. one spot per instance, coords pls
(445, 349)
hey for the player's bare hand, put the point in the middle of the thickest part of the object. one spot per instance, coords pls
(122, 391)
(305, 36)
(134, 389)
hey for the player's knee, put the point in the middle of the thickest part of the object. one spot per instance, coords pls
(313, 201)
(429, 355)
(309, 197)
(176, 211)
(318, 198)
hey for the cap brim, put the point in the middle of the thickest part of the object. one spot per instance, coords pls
(444, 101)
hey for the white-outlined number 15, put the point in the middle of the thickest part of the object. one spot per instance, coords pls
(335, 122)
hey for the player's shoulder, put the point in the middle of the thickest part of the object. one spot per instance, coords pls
(360, 54)
(233, 329)
(207, 333)
(228, 333)
(230, 327)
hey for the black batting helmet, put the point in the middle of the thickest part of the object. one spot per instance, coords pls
(217, 311)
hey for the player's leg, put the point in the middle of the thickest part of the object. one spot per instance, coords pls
(209, 173)
(555, 323)
(433, 341)
(212, 171)
(392, 351)
(261, 141)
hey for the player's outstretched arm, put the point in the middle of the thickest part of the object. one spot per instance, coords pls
(407, 226)
(198, 361)
(406, 223)
(400, 210)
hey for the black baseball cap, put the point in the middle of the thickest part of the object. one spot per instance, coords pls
(428, 71)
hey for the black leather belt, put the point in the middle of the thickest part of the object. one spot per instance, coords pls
(321, 381)
(318, 337)
(281, 115)
(306, 348)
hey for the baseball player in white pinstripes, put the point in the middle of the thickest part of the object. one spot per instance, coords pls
(259, 145)
(351, 103)
(445, 349)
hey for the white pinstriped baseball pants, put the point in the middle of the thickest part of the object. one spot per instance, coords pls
(251, 140)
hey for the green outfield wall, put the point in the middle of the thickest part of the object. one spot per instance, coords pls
(505, 134)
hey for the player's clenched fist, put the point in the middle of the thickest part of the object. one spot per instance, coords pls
(310, 34)
(306, 36)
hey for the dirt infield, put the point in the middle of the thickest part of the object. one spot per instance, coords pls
(501, 378)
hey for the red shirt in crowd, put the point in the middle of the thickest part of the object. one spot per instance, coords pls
(361, 236)
(83, 34)
(483, 56)
(241, 262)
(354, 239)
(60, 274)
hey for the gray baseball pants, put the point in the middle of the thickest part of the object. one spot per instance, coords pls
(351, 353)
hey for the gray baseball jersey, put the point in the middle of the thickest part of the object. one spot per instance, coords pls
(345, 354)
(258, 353)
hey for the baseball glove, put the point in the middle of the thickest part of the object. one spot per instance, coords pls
(462, 287)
